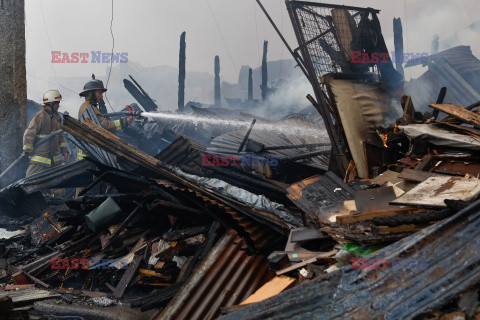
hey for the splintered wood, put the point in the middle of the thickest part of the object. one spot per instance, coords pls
(346, 219)
(433, 191)
(459, 112)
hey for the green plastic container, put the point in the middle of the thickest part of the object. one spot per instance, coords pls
(99, 217)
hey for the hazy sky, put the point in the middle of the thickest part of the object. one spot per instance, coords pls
(149, 30)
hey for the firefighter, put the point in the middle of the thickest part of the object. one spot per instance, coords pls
(93, 94)
(43, 123)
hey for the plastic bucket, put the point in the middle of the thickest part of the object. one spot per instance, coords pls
(102, 215)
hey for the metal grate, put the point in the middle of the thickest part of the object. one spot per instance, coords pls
(330, 35)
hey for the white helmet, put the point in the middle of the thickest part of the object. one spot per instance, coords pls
(51, 96)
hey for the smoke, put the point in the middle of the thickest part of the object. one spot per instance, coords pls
(289, 95)
(465, 36)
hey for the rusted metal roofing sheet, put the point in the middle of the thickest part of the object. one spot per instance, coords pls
(227, 277)
(251, 226)
(450, 248)
(181, 152)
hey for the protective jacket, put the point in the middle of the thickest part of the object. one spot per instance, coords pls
(112, 126)
(49, 153)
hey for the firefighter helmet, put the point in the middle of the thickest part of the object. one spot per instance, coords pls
(51, 96)
(92, 85)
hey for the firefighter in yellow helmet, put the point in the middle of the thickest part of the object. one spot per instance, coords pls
(43, 123)
(93, 94)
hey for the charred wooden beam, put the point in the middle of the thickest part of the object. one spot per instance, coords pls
(181, 73)
(216, 87)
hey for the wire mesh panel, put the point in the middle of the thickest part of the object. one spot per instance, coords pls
(335, 39)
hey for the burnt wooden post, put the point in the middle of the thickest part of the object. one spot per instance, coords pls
(398, 41)
(435, 44)
(250, 85)
(264, 86)
(218, 102)
(181, 73)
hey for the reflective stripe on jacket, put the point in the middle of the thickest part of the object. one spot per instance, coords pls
(80, 154)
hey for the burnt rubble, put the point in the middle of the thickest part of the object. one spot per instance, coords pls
(372, 213)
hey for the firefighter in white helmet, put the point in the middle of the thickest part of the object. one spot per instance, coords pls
(43, 123)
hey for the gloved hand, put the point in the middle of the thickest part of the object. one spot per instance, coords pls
(66, 156)
(130, 110)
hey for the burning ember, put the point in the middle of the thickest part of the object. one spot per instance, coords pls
(385, 139)
(383, 136)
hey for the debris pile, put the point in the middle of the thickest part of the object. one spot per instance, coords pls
(268, 219)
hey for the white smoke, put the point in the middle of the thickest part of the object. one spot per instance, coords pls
(288, 97)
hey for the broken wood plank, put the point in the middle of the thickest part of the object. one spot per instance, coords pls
(346, 219)
(374, 199)
(408, 110)
(304, 263)
(127, 276)
(459, 112)
(418, 175)
(151, 273)
(28, 275)
(387, 176)
(158, 284)
(24, 297)
(270, 289)
(109, 286)
(121, 227)
(399, 229)
(159, 265)
(433, 191)
(300, 256)
(184, 269)
(425, 162)
(18, 286)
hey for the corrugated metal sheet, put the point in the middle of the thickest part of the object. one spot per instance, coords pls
(302, 132)
(69, 175)
(185, 153)
(227, 277)
(24, 197)
(452, 253)
(182, 151)
(425, 89)
(256, 229)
